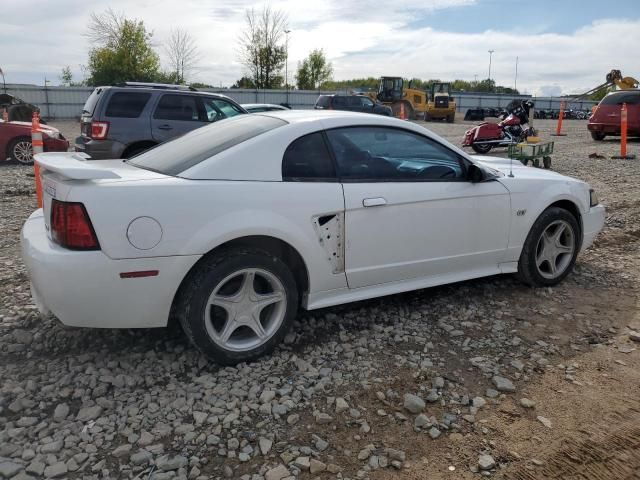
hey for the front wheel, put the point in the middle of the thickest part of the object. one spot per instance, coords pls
(481, 147)
(598, 136)
(550, 249)
(21, 151)
(450, 118)
(238, 305)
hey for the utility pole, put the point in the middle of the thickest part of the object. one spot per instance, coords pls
(4, 84)
(515, 83)
(286, 63)
(490, 55)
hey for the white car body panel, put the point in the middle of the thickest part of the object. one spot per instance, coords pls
(428, 233)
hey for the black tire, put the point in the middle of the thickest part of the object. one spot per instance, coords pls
(546, 161)
(195, 291)
(427, 117)
(598, 136)
(451, 118)
(14, 145)
(527, 269)
(482, 148)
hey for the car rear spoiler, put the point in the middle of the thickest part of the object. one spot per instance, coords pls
(72, 165)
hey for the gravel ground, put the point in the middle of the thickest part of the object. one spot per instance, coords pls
(428, 384)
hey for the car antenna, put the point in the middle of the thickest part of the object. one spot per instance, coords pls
(510, 166)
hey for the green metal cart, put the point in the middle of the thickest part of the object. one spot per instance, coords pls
(532, 152)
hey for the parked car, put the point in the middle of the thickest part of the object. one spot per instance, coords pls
(262, 107)
(123, 121)
(231, 227)
(352, 103)
(15, 141)
(17, 109)
(606, 118)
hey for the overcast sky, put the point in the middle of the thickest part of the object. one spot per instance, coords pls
(564, 46)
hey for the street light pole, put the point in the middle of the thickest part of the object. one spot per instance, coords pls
(515, 83)
(490, 55)
(4, 84)
(286, 63)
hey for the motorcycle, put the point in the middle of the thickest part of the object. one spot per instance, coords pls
(511, 130)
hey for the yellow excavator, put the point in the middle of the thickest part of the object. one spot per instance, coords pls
(415, 103)
(614, 77)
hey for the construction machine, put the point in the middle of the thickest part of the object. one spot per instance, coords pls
(613, 78)
(414, 102)
(441, 104)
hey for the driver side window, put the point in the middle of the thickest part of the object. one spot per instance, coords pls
(391, 154)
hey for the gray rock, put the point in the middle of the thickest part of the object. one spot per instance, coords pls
(434, 432)
(303, 463)
(413, 403)
(421, 421)
(141, 458)
(122, 451)
(341, 405)
(168, 462)
(503, 384)
(61, 412)
(277, 473)
(486, 462)
(36, 467)
(265, 445)
(89, 413)
(56, 470)
(316, 466)
(479, 402)
(52, 447)
(545, 421)
(323, 418)
(9, 469)
(635, 336)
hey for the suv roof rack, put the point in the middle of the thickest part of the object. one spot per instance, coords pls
(159, 86)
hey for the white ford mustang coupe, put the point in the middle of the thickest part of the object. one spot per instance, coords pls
(231, 227)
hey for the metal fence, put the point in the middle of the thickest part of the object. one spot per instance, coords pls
(67, 102)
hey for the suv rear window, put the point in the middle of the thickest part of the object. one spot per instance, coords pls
(127, 104)
(632, 98)
(176, 156)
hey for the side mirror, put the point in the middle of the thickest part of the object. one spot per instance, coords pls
(475, 174)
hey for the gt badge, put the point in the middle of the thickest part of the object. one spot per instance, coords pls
(521, 213)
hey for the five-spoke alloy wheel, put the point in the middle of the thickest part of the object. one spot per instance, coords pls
(238, 305)
(550, 249)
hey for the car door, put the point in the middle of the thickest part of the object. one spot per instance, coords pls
(411, 213)
(366, 104)
(176, 114)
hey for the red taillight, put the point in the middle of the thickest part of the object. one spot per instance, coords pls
(99, 130)
(71, 227)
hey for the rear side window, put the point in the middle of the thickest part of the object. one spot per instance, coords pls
(323, 101)
(630, 98)
(92, 101)
(307, 159)
(339, 102)
(177, 107)
(127, 104)
(182, 153)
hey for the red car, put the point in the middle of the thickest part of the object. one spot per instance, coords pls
(15, 141)
(606, 117)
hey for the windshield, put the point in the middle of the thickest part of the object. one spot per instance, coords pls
(182, 153)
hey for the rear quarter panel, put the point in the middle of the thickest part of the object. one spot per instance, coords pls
(196, 216)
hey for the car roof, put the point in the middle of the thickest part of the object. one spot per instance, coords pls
(131, 88)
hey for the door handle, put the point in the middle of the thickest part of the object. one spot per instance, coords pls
(165, 127)
(374, 202)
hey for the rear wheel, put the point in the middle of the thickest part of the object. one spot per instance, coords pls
(550, 249)
(481, 147)
(450, 118)
(598, 136)
(238, 305)
(21, 150)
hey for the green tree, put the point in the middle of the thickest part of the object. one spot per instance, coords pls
(314, 71)
(66, 77)
(244, 82)
(261, 49)
(123, 51)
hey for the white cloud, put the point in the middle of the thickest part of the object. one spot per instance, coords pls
(361, 37)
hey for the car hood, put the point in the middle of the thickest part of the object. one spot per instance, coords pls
(506, 166)
(44, 128)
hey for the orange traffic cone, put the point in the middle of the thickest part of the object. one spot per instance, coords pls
(403, 116)
(37, 146)
(623, 135)
(559, 124)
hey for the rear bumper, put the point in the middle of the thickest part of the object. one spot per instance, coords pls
(99, 149)
(592, 223)
(84, 289)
